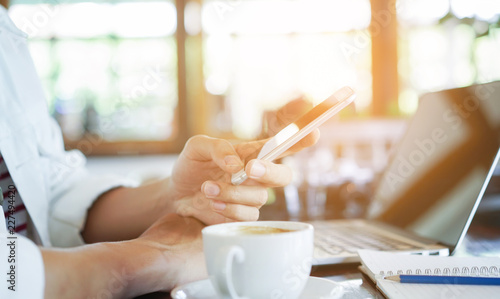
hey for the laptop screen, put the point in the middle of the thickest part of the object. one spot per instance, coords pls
(436, 177)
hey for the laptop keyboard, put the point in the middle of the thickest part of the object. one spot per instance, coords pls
(338, 239)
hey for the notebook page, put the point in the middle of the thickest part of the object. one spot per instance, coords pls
(387, 263)
(398, 290)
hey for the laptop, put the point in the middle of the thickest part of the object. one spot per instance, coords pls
(430, 190)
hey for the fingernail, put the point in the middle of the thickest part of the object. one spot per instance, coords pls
(218, 205)
(258, 170)
(211, 189)
(233, 162)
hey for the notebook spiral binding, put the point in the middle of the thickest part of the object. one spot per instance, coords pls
(484, 271)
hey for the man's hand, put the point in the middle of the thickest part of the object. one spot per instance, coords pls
(179, 242)
(275, 120)
(168, 254)
(199, 186)
(201, 180)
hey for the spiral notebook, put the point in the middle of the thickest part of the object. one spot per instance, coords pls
(377, 265)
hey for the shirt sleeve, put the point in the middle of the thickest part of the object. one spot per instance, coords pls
(67, 190)
(22, 269)
(71, 188)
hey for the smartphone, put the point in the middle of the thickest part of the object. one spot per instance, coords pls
(297, 130)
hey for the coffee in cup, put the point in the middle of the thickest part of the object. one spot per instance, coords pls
(261, 230)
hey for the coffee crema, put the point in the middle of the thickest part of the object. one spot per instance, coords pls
(261, 230)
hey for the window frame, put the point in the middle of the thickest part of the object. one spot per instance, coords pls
(95, 146)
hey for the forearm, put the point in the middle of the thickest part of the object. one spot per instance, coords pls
(125, 213)
(111, 270)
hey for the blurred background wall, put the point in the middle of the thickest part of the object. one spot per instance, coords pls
(128, 78)
(136, 77)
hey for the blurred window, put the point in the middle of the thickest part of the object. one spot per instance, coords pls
(259, 54)
(126, 76)
(108, 69)
(446, 44)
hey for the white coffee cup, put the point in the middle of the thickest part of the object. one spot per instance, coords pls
(250, 264)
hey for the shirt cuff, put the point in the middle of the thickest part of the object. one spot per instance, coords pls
(69, 212)
(21, 264)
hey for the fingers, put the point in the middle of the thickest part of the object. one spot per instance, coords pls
(285, 115)
(293, 110)
(222, 152)
(307, 141)
(268, 173)
(237, 203)
(199, 207)
(224, 193)
(236, 212)
(250, 150)
(240, 203)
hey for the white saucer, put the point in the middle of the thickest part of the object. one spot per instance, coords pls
(316, 288)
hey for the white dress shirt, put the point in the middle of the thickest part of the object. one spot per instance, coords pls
(54, 184)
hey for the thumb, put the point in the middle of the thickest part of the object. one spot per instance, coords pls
(221, 152)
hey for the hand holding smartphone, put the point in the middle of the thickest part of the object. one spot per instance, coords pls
(297, 130)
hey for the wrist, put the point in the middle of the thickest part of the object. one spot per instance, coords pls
(93, 270)
(170, 197)
(143, 267)
(119, 268)
(165, 197)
